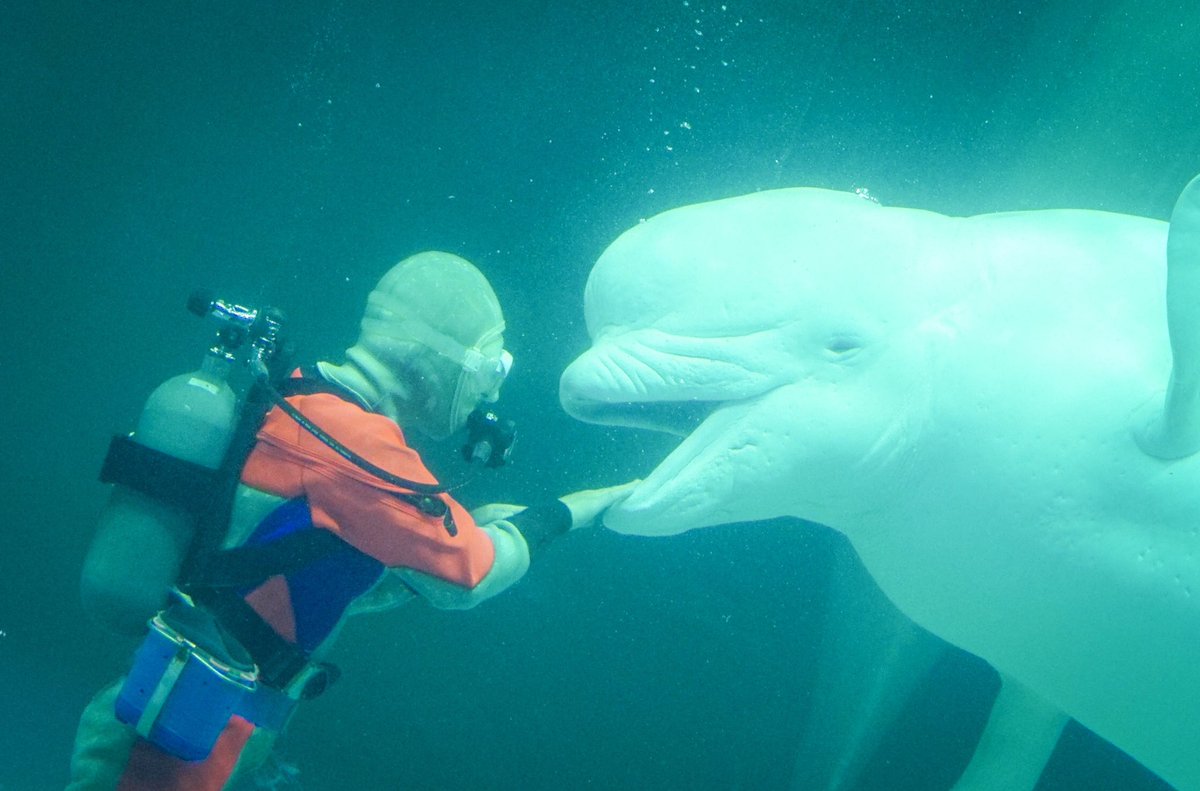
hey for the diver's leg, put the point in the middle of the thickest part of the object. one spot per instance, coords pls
(102, 744)
(108, 755)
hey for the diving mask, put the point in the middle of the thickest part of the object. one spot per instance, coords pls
(488, 373)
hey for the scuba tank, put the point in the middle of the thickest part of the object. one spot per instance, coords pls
(172, 476)
(166, 472)
(141, 540)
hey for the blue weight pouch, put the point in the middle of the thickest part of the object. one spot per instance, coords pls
(188, 677)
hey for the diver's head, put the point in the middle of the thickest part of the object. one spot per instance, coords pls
(431, 345)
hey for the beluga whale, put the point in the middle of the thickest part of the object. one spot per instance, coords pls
(999, 412)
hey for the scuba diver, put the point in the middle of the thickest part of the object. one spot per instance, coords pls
(241, 532)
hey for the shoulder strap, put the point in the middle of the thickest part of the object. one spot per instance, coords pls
(214, 522)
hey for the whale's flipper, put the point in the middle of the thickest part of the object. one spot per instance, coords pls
(872, 658)
(1174, 431)
(1021, 733)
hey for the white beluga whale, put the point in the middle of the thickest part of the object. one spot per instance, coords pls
(976, 403)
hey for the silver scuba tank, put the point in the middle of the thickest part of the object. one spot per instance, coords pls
(141, 541)
(166, 472)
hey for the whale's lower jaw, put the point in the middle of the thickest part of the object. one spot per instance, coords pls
(655, 508)
(740, 464)
(680, 493)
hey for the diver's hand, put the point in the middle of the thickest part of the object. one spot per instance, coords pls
(493, 512)
(587, 506)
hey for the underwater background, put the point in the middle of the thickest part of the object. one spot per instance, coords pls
(289, 153)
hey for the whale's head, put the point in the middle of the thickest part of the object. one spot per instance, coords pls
(775, 333)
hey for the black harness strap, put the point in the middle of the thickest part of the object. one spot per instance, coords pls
(215, 575)
(182, 484)
(245, 566)
(279, 662)
(214, 519)
(216, 511)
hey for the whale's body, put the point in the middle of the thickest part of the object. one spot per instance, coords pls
(955, 395)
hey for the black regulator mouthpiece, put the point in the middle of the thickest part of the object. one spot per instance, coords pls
(489, 438)
(254, 335)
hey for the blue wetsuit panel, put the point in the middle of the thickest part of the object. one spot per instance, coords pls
(322, 590)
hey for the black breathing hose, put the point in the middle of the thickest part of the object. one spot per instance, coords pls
(425, 500)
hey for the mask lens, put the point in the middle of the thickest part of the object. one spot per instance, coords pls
(492, 375)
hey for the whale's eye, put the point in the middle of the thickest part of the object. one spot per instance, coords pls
(840, 345)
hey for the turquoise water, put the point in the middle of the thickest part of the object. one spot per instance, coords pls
(291, 152)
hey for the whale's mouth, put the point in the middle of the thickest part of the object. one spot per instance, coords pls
(707, 407)
(679, 418)
(692, 486)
